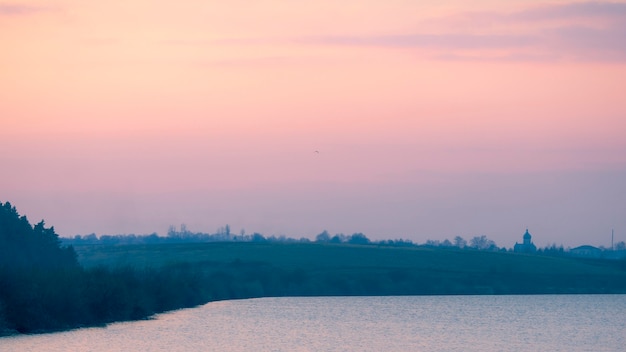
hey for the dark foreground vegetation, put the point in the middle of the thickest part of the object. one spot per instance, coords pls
(45, 287)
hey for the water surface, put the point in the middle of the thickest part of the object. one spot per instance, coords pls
(414, 323)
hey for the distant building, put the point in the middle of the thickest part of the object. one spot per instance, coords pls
(527, 246)
(586, 251)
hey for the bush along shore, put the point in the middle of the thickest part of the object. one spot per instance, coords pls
(48, 287)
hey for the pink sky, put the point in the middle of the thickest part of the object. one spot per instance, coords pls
(432, 119)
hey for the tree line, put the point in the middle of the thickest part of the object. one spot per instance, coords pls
(44, 288)
(224, 234)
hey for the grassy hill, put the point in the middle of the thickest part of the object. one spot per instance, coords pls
(276, 269)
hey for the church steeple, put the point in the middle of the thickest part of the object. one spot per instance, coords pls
(527, 245)
(527, 237)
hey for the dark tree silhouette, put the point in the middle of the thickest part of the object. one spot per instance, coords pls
(323, 237)
(482, 243)
(358, 238)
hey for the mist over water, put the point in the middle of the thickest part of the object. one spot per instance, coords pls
(413, 323)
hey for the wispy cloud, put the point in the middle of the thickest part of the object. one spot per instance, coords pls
(585, 10)
(256, 62)
(582, 31)
(211, 42)
(549, 32)
(20, 9)
(588, 13)
(453, 40)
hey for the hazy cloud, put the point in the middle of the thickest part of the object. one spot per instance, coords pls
(605, 13)
(454, 40)
(589, 43)
(20, 10)
(245, 41)
(583, 31)
(257, 62)
(603, 10)
(577, 31)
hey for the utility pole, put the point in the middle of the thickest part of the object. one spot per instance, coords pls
(612, 247)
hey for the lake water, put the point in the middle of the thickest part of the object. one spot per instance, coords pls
(414, 323)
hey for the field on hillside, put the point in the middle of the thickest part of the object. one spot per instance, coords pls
(326, 269)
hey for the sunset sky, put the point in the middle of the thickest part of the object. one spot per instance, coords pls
(430, 119)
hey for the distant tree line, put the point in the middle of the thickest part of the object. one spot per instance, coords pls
(476, 243)
(224, 234)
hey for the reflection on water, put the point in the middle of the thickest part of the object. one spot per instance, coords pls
(416, 323)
